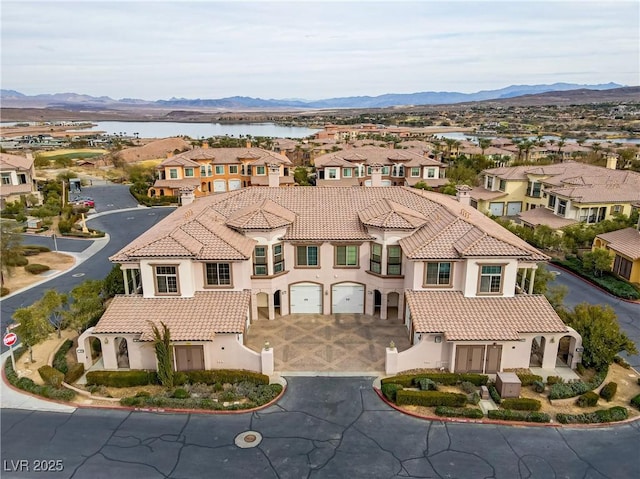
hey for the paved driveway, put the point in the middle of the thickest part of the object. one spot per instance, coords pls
(340, 343)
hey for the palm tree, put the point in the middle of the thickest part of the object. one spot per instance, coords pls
(484, 143)
(561, 143)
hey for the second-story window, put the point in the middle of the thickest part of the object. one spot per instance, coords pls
(173, 173)
(489, 182)
(260, 170)
(166, 279)
(218, 274)
(188, 172)
(332, 173)
(415, 171)
(219, 169)
(203, 170)
(346, 255)
(431, 173)
(490, 279)
(562, 207)
(307, 256)
(375, 262)
(502, 185)
(552, 201)
(438, 274)
(346, 172)
(534, 189)
(394, 260)
(278, 258)
(233, 169)
(260, 261)
(385, 171)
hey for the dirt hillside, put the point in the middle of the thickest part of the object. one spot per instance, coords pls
(154, 150)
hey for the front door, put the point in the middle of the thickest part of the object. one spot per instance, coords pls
(494, 355)
(189, 358)
(469, 359)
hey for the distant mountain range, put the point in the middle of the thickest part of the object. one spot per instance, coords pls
(15, 99)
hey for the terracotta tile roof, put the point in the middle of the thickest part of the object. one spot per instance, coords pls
(480, 193)
(544, 216)
(625, 241)
(176, 183)
(332, 160)
(270, 157)
(431, 182)
(482, 318)
(178, 160)
(263, 215)
(391, 215)
(373, 155)
(15, 162)
(600, 193)
(6, 190)
(263, 180)
(189, 319)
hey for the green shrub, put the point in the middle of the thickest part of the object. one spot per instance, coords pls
(26, 384)
(181, 394)
(538, 386)
(473, 398)
(180, 378)
(230, 376)
(18, 260)
(36, 268)
(30, 251)
(448, 379)
(143, 394)
(427, 384)
(635, 401)
(51, 376)
(521, 404)
(469, 412)
(608, 391)
(511, 415)
(622, 362)
(389, 390)
(60, 358)
(36, 247)
(528, 379)
(406, 397)
(74, 373)
(551, 380)
(580, 369)
(588, 399)
(121, 379)
(495, 395)
(614, 414)
(468, 387)
(4, 291)
(576, 388)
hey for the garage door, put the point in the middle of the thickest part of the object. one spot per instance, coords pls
(496, 209)
(347, 298)
(513, 208)
(306, 298)
(234, 185)
(219, 186)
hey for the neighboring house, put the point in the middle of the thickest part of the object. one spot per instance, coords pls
(18, 178)
(447, 271)
(557, 195)
(375, 166)
(216, 170)
(624, 246)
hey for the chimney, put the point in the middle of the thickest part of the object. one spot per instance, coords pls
(274, 175)
(186, 195)
(463, 194)
(205, 144)
(248, 143)
(612, 162)
(169, 154)
(376, 175)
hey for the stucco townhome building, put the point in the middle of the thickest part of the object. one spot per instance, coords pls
(18, 178)
(624, 247)
(219, 264)
(558, 195)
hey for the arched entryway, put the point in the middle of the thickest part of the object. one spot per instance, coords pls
(122, 352)
(537, 351)
(566, 348)
(263, 305)
(377, 302)
(89, 350)
(393, 301)
(276, 302)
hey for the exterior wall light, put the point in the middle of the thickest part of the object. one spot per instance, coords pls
(438, 339)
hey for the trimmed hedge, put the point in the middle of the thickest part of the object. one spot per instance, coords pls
(588, 399)
(614, 414)
(389, 390)
(576, 388)
(448, 379)
(528, 379)
(17, 261)
(26, 384)
(521, 404)
(608, 391)
(121, 379)
(511, 415)
(469, 412)
(551, 380)
(60, 358)
(36, 268)
(74, 373)
(51, 376)
(37, 247)
(230, 376)
(495, 395)
(635, 401)
(179, 394)
(406, 397)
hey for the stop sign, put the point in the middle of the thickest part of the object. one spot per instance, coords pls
(10, 339)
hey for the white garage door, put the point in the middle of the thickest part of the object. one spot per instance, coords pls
(513, 208)
(496, 209)
(219, 186)
(306, 298)
(347, 298)
(234, 185)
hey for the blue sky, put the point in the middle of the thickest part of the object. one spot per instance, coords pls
(270, 49)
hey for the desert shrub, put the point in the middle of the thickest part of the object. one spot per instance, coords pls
(180, 378)
(635, 401)
(538, 386)
(36, 268)
(26, 384)
(228, 396)
(143, 394)
(29, 251)
(427, 384)
(51, 376)
(406, 397)
(225, 376)
(469, 412)
(4, 291)
(528, 379)
(551, 380)
(473, 398)
(614, 414)
(622, 362)
(511, 415)
(74, 373)
(608, 391)
(588, 399)
(180, 394)
(121, 379)
(17, 260)
(60, 358)
(521, 404)
(37, 247)
(576, 388)
(580, 369)
(468, 387)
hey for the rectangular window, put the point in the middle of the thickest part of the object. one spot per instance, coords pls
(173, 173)
(552, 201)
(491, 279)
(332, 173)
(562, 207)
(415, 172)
(209, 170)
(489, 182)
(260, 170)
(219, 169)
(375, 264)
(394, 260)
(188, 172)
(346, 172)
(218, 274)
(307, 256)
(431, 173)
(22, 179)
(356, 172)
(616, 209)
(166, 279)
(622, 267)
(385, 171)
(533, 189)
(438, 274)
(502, 185)
(369, 171)
(278, 258)
(233, 169)
(346, 255)
(203, 171)
(260, 261)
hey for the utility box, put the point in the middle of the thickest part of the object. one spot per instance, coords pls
(34, 223)
(508, 385)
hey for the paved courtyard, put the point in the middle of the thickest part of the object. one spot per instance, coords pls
(339, 343)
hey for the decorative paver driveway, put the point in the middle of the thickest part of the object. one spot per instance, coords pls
(339, 343)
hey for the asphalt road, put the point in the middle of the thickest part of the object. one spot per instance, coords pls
(579, 291)
(321, 428)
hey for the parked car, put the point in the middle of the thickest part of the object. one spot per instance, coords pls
(83, 201)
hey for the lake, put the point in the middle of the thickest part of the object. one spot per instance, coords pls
(160, 129)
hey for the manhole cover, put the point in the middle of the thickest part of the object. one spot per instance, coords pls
(248, 439)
